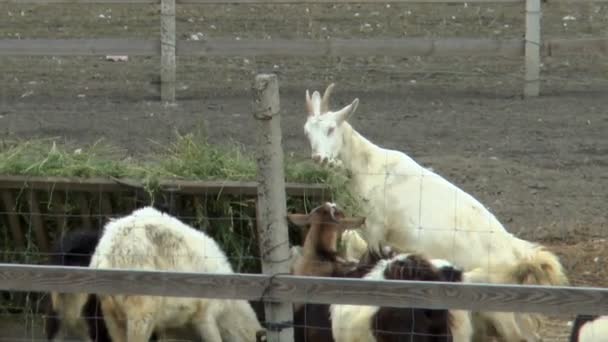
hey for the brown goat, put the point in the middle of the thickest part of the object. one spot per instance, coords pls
(320, 258)
(320, 251)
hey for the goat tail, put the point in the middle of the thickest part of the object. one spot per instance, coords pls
(542, 267)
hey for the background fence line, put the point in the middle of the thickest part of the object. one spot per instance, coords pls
(532, 46)
(259, 1)
(300, 47)
(280, 1)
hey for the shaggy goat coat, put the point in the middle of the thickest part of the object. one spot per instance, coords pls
(150, 240)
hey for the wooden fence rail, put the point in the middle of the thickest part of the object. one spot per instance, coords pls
(169, 47)
(285, 288)
(39, 203)
(183, 186)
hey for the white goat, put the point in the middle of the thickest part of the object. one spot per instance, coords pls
(413, 209)
(150, 240)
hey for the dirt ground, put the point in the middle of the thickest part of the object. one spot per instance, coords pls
(540, 164)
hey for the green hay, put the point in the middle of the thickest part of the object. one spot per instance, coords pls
(192, 157)
(44, 157)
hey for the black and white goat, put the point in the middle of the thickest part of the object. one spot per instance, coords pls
(364, 323)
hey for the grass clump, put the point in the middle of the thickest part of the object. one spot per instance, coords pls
(191, 156)
(44, 157)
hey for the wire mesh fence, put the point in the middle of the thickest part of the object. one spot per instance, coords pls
(35, 220)
(235, 232)
(42, 216)
(538, 165)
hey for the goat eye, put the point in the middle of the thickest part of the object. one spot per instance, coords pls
(330, 130)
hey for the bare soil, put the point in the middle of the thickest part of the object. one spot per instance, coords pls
(540, 164)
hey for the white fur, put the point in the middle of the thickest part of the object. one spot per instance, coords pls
(352, 322)
(354, 245)
(441, 263)
(412, 208)
(150, 240)
(510, 326)
(462, 325)
(408, 206)
(594, 331)
(295, 252)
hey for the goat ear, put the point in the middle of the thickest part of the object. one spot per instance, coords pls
(345, 113)
(300, 220)
(352, 222)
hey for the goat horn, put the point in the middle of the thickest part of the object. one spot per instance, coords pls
(309, 107)
(325, 100)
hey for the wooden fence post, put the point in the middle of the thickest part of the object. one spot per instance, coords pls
(532, 78)
(271, 202)
(167, 50)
